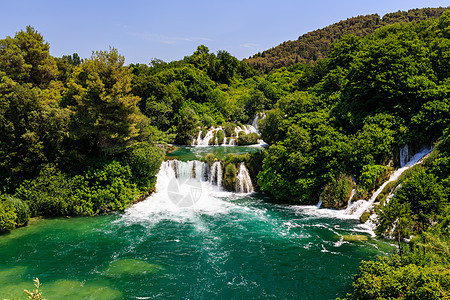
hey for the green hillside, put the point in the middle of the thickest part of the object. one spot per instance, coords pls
(316, 44)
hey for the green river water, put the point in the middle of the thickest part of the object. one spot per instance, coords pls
(226, 246)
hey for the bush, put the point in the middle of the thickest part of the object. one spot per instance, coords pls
(210, 158)
(247, 139)
(389, 278)
(229, 129)
(236, 158)
(7, 216)
(207, 121)
(48, 194)
(21, 208)
(336, 193)
(372, 176)
(104, 190)
(220, 136)
(145, 160)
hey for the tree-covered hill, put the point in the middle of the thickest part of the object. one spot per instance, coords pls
(316, 44)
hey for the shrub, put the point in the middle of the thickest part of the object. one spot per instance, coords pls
(229, 129)
(230, 176)
(104, 190)
(371, 176)
(210, 158)
(236, 158)
(389, 278)
(247, 139)
(220, 136)
(48, 194)
(335, 194)
(145, 160)
(204, 132)
(207, 121)
(7, 216)
(21, 208)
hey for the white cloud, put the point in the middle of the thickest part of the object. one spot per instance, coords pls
(249, 45)
(168, 40)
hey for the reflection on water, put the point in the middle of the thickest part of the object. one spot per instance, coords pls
(185, 153)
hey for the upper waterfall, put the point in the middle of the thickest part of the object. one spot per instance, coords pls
(217, 136)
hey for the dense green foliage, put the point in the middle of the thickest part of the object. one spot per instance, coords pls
(349, 112)
(316, 44)
(72, 137)
(337, 192)
(419, 208)
(87, 136)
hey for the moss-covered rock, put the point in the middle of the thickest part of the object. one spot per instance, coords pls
(229, 178)
(364, 217)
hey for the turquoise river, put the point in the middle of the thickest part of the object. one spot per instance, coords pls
(223, 246)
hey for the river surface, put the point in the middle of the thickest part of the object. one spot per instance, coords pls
(221, 246)
(185, 153)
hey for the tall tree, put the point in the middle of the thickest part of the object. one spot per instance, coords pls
(107, 118)
(26, 58)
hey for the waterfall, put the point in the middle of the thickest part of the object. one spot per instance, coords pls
(258, 116)
(247, 129)
(216, 174)
(404, 155)
(207, 139)
(184, 172)
(361, 206)
(243, 180)
(351, 197)
(192, 169)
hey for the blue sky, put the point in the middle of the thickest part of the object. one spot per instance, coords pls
(171, 29)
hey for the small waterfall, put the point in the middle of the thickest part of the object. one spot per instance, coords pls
(361, 206)
(247, 129)
(243, 180)
(230, 141)
(192, 169)
(404, 155)
(205, 141)
(258, 116)
(216, 174)
(351, 197)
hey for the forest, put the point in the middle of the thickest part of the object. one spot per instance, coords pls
(315, 45)
(87, 136)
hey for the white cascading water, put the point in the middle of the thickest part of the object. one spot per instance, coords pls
(216, 174)
(259, 116)
(361, 206)
(243, 180)
(205, 140)
(231, 141)
(356, 208)
(352, 194)
(183, 189)
(404, 155)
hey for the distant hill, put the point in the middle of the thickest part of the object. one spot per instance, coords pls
(316, 44)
